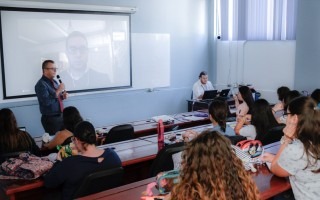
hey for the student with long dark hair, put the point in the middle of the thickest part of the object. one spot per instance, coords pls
(316, 96)
(71, 117)
(218, 111)
(299, 155)
(12, 139)
(282, 93)
(245, 96)
(262, 120)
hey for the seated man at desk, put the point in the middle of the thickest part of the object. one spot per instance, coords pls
(201, 85)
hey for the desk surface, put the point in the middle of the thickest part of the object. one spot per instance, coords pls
(268, 185)
(145, 149)
(148, 127)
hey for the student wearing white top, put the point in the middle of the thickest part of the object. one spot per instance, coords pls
(201, 85)
(298, 156)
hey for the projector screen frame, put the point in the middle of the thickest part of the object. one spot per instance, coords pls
(66, 11)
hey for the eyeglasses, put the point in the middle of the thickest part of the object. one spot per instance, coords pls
(52, 68)
(74, 50)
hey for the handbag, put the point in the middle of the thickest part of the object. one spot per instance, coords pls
(166, 181)
(252, 147)
(26, 166)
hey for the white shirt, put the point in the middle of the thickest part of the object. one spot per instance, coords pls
(305, 184)
(199, 88)
(248, 131)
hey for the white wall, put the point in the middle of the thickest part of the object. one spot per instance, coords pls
(266, 65)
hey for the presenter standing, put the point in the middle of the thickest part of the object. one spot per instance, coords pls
(201, 85)
(50, 95)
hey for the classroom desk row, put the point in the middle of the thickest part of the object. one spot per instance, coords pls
(149, 126)
(137, 156)
(268, 184)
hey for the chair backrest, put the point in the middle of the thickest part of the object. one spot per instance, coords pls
(119, 133)
(163, 160)
(273, 135)
(100, 181)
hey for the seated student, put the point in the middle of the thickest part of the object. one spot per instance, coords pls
(245, 96)
(262, 120)
(218, 111)
(299, 153)
(70, 172)
(287, 99)
(316, 96)
(278, 107)
(71, 117)
(12, 139)
(217, 174)
(201, 85)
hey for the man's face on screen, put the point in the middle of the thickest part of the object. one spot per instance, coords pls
(77, 52)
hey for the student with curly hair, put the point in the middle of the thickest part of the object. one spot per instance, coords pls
(210, 169)
(299, 155)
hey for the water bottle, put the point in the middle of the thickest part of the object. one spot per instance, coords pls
(160, 130)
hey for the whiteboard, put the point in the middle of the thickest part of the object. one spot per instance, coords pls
(150, 60)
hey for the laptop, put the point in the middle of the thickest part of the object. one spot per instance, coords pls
(224, 93)
(210, 94)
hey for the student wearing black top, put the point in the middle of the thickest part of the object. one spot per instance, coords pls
(70, 172)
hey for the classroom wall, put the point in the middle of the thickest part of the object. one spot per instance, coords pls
(265, 65)
(187, 24)
(308, 46)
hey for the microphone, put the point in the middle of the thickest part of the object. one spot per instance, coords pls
(60, 81)
(58, 77)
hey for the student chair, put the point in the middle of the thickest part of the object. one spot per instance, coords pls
(100, 181)
(119, 133)
(163, 160)
(273, 135)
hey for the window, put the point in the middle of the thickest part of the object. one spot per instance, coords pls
(255, 19)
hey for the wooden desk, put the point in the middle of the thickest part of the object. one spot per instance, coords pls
(149, 127)
(268, 185)
(136, 156)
